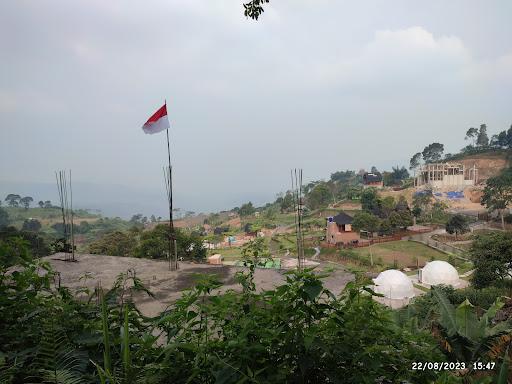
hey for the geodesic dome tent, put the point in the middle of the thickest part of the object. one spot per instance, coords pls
(394, 284)
(439, 272)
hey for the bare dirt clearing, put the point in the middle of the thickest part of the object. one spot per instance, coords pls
(167, 286)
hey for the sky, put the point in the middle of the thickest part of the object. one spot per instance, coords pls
(313, 84)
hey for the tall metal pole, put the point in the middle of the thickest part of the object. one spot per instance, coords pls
(171, 224)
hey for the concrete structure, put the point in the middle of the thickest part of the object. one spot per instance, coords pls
(439, 175)
(339, 230)
(394, 285)
(439, 272)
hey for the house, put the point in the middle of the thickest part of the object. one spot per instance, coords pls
(373, 179)
(339, 230)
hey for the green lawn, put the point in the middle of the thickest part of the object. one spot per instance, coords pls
(404, 252)
(232, 253)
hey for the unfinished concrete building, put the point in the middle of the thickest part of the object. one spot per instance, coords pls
(439, 175)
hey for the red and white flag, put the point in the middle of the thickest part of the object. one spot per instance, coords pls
(158, 122)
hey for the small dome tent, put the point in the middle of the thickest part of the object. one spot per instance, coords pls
(439, 272)
(394, 284)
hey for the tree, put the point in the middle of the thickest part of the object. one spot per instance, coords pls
(319, 196)
(385, 227)
(154, 244)
(396, 176)
(4, 218)
(25, 201)
(41, 204)
(366, 221)
(136, 219)
(433, 152)
(401, 204)
(247, 209)
(387, 206)
(482, 139)
(152, 219)
(270, 213)
(47, 204)
(83, 227)
(286, 202)
(370, 201)
(423, 199)
(497, 193)
(503, 139)
(13, 200)
(343, 176)
(472, 133)
(31, 225)
(114, 244)
(415, 161)
(401, 219)
(36, 245)
(13, 250)
(492, 257)
(458, 225)
(465, 332)
(374, 169)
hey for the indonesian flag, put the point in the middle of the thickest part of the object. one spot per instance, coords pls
(158, 122)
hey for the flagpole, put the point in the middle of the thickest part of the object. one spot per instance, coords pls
(171, 224)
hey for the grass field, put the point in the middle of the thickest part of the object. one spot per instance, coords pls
(232, 253)
(406, 253)
(47, 216)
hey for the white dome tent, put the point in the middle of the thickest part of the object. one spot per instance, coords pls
(394, 285)
(439, 272)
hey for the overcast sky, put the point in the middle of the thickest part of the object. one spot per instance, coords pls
(322, 85)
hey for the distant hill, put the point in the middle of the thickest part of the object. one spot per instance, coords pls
(489, 163)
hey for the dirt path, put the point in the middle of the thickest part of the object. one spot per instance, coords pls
(167, 286)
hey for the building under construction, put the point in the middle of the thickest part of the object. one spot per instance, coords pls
(439, 175)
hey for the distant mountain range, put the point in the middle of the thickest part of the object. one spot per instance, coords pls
(123, 201)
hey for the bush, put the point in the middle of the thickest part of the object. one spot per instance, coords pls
(154, 244)
(482, 298)
(298, 332)
(36, 244)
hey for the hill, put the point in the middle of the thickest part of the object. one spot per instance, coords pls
(489, 164)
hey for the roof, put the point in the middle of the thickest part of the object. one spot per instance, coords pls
(342, 218)
(439, 272)
(394, 284)
(369, 177)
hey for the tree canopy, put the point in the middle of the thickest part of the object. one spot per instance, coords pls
(497, 193)
(246, 209)
(457, 225)
(433, 152)
(492, 257)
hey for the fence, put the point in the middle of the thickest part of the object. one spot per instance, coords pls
(367, 243)
(443, 247)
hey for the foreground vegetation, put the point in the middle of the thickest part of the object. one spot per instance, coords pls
(298, 332)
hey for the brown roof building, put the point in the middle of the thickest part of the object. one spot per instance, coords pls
(339, 230)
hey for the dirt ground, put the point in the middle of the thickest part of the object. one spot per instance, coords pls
(164, 284)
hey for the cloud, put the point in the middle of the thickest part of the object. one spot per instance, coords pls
(410, 60)
(319, 84)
